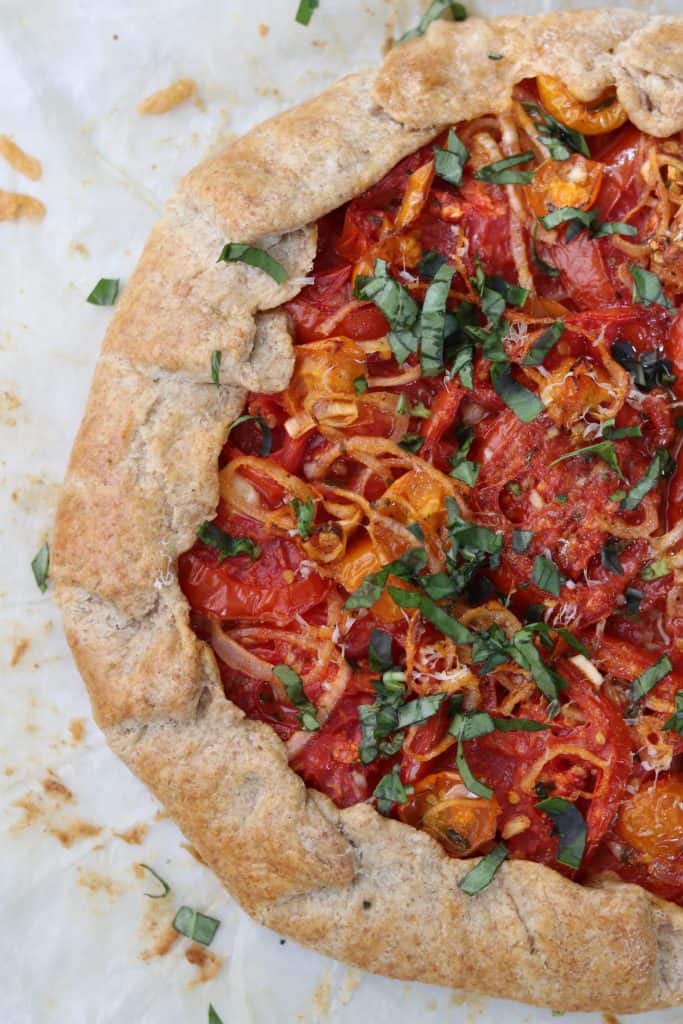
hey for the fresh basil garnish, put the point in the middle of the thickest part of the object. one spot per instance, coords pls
(304, 514)
(463, 468)
(430, 262)
(633, 597)
(499, 172)
(105, 292)
(602, 449)
(434, 11)
(419, 710)
(482, 874)
(266, 436)
(521, 539)
(225, 544)
(656, 569)
(379, 650)
(613, 433)
(609, 556)
(360, 385)
(432, 321)
(569, 825)
(524, 403)
(216, 357)
(397, 305)
(370, 590)
(213, 1016)
(648, 369)
(468, 725)
(390, 790)
(429, 610)
(294, 688)
(556, 136)
(41, 567)
(578, 219)
(661, 465)
(543, 344)
(546, 268)
(196, 926)
(449, 162)
(675, 723)
(648, 679)
(305, 11)
(519, 725)
(647, 288)
(411, 443)
(546, 575)
(239, 252)
(165, 887)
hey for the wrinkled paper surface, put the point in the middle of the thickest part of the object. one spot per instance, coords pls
(80, 942)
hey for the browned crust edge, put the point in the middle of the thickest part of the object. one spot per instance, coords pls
(143, 475)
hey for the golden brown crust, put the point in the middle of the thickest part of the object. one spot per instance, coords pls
(143, 476)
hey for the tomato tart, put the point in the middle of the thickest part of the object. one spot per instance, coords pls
(370, 550)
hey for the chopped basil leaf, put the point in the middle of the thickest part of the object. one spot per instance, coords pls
(655, 570)
(462, 367)
(304, 513)
(648, 369)
(165, 887)
(546, 576)
(524, 403)
(570, 826)
(519, 725)
(213, 1016)
(609, 556)
(499, 172)
(556, 136)
(521, 539)
(602, 449)
(633, 598)
(397, 305)
(305, 11)
(105, 292)
(578, 219)
(294, 688)
(661, 465)
(432, 321)
(494, 56)
(480, 876)
(407, 567)
(562, 498)
(543, 344)
(444, 622)
(402, 406)
(226, 545)
(411, 442)
(675, 723)
(429, 264)
(239, 252)
(514, 488)
(647, 288)
(41, 567)
(449, 162)
(379, 650)
(266, 436)
(421, 411)
(613, 433)
(216, 357)
(612, 227)
(545, 268)
(390, 790)
(360, 385)
(419, 710)
(416, 530)
(648, 679)
(467, 725)
(195, 926)
(434, 11)
(464, 469)
(617, 495)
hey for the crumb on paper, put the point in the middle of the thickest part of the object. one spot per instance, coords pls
(263, 30)
(20, 161)
(208, 964)
(157, 927)
(609, 1018)
(193, 853)
(9, 403)
(17, 206)
(32, 808)
(77, 729)
(95, 882)
(167, 99)
(9, 770)
(161, 815)
(54, 787)
(50, 814)
(19, 650)
(80, 248)
(74, 831)
(135, 835)
(475, 1004)
(348, 986)
(322, 995)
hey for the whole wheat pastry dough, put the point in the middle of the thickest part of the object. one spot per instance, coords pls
(143, 475)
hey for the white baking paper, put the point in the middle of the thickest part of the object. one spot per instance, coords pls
(75, 923)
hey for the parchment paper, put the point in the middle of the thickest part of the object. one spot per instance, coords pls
(79, 940)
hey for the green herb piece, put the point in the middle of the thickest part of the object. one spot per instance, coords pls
(239, 252)
(213, 1016)
(226, 545)
(468, 725)
(514, 488)
(105, 292)
(570, 826)
(480, 876)
(294, 688)
(419, 710)
(546, 576)
(661, 465)
(444, 622)
(633, 598)
(166, 888)
(519, 725)
(430, 262)
(463, 468)
(406, 568)
(543, 344)
(499, 172)
(379, 719)
(397, 305)
(305, 11)
(675, 723)
(647, 288)
(648, 679)
(360, 385)
(546, 268)
(609, 556)
(524, 403)
(648, 369)
(449, 162)
(195, 926)
(379, 650)
(411, 443)
(521, 539)
(613, 433)
(494, 56)
(617, 495)
(655, 570)
(416, 530)
(578, 219)
(602, 449)
(41, 567)
(304, 513)
(216, 357)
(266, 436)
(556, 136)
(434, 11)
(390, 790)
(562, 498)
(433, 320)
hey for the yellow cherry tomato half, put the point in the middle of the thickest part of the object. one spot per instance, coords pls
(574, 182)
(652, 820)
(441, 805)
(602, 115)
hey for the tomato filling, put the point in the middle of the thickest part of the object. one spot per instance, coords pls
(446, 563)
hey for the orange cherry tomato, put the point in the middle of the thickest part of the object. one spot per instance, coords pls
(602, 115)
(652, 820)
(360, 560)
(415, 195)
(441, 806)
(574, 182)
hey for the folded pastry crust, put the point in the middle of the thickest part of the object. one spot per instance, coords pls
(143, 476)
